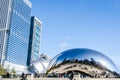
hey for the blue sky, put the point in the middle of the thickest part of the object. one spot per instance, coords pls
(67, 24)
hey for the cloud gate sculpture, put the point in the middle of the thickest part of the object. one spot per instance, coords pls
(85, 62)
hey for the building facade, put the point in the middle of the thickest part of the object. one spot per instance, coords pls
(17, 13)
(5, 13)
(34, 40)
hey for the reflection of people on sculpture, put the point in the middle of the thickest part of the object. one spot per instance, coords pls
(54, 74)
(65, 75)
(70, 75)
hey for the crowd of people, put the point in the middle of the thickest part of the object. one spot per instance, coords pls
(69, 75)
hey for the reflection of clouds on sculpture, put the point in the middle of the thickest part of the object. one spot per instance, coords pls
(44, 56)
(84, 57)
(40, 65)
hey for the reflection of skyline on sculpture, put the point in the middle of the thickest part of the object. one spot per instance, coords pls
(82, 54)
(76, 57)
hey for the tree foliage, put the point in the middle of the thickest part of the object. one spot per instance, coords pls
(2, 71)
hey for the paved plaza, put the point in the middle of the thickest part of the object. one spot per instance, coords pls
(67, 79)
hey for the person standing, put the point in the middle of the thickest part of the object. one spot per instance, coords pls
(23, 74)
(8, 75)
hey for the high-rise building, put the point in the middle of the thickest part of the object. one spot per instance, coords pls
(5, 13)
(34, 40)
(15, 16)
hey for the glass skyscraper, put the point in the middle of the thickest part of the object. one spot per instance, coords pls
(34, 40)
(5, 13)
(17, 13)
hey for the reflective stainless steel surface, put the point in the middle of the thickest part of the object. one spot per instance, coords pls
(40, 65)
(83, 54)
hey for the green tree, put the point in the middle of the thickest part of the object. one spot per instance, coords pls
(2, 71)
